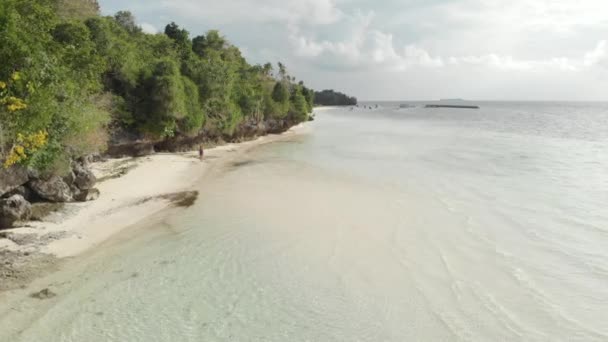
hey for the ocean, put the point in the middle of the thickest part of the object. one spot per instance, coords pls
(382, 224)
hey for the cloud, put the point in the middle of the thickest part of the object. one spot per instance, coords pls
(148, 28)
(369, 48)
(596, 57)
(544, 48)
(365, 48)
(313, 12)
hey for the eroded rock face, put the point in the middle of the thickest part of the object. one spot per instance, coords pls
(84, 179)
(13, 209)
(53, 189)
(24, 191)
(12, 178)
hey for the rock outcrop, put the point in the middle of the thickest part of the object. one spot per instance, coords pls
(247, 130)
(77, 185)
(84, 179)
(13, 209)
(53, 189)
(12, 178)
(19, 186)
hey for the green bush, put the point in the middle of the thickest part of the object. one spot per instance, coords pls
(81, 75)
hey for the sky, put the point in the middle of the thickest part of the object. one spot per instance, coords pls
(411, 49)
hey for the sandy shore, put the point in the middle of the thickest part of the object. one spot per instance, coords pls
(131, 190)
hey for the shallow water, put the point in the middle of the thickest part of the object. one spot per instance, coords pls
(383, 225)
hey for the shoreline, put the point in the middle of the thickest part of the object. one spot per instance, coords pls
(132, 190)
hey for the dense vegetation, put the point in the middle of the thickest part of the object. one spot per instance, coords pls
(71, 79)
(333, 98)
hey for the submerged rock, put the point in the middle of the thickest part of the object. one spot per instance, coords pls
(13, 209)
(43, 294)
(54, 189)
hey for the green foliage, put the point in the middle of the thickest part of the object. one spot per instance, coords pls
(161, 99)
(280, 93)
(59, 72)
(309, 96)
(127, 21)
(71, 9)
(299, 105)
(84, 77)
(212, 41)
(333, 98)
(195, 117)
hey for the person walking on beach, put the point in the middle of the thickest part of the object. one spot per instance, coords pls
(201, 152)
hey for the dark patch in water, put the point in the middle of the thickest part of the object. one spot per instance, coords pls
(43, 294)
(243, 163)
(183, 199)
(166, 262)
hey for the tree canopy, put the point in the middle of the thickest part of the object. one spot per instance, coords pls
(333, 98)
(71, 78)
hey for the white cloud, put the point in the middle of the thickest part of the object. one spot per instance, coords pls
(543, 48)
(369, 48)
(598, 56)
(148, 28)
(365, 48)
(314, 12)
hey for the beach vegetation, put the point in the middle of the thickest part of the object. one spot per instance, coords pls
(73, 77)
(333, 98)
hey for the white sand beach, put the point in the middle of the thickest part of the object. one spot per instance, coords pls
(131, 190)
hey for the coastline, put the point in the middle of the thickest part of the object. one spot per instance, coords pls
(132, 189)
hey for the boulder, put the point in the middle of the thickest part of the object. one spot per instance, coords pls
(24, 191)
(13, 209)
(87, 195)
(70, 178)
(84, 179)
(53, 189)
(12, 178)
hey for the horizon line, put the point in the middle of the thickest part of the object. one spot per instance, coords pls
(492, 100)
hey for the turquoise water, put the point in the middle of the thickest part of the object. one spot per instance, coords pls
(372, 225)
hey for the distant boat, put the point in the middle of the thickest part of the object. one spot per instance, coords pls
(406, 105)
(450, 106)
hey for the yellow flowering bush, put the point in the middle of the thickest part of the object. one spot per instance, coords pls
(11, 103)
(24, 146)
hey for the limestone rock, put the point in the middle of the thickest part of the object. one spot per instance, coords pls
(70, 178)
(84, 178)
(12, 178)
(13, 209)
(54, 189)
(24, 191)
